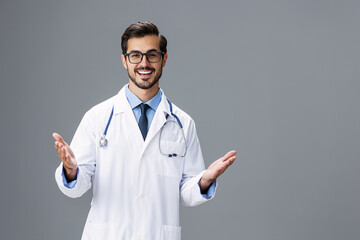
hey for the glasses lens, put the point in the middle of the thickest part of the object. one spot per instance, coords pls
(153, 56)
(135, 57)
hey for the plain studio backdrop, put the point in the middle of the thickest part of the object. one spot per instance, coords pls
(278, 81)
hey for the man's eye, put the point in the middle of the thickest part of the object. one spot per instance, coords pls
(135, 55)
(152, 53)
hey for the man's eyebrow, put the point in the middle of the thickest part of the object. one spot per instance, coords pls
(137, 51)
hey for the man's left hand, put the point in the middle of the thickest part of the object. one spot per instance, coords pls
(216, 169)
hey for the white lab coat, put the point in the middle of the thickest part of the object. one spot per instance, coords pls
(136, 189)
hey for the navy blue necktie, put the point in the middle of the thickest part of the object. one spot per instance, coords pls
(143, 121)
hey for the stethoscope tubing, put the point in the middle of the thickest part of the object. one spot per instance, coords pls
(108, 123)
(103, 140)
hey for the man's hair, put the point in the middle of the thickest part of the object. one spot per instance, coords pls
(141, 29)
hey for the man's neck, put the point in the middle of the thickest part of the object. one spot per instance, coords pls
(144, 94)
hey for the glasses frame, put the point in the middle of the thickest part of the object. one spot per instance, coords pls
(142, 56)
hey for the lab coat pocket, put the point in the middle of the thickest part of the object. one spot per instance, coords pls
(171, 233)
(172, 148)
(170, 161)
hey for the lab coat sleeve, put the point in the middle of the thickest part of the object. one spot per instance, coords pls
(193, 170)
(83, 146)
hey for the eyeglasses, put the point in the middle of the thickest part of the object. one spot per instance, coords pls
(152, 56)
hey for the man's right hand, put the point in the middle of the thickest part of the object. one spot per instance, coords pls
(67, 157)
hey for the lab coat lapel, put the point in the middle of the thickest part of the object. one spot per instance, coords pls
(158, 120)
(122, 106)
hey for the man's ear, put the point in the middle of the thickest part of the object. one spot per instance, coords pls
(164, 59)
(123, 59)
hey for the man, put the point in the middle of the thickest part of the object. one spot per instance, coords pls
(140, 152)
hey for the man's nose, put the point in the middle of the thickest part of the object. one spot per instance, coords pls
(144, 61)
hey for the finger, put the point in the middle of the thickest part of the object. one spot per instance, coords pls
(57, 145)
(67, 158)
(228, 155)
(69, 151)
(227, 163)
(58, 138)
(63, 154)
(61, 145)
(231, 159)
(66, 152)
(70, 163)
(59, 152)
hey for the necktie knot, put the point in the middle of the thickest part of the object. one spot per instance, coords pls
(144, 107)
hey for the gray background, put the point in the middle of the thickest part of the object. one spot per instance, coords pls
(276, 80)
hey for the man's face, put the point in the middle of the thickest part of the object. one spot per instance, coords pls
(144, 75)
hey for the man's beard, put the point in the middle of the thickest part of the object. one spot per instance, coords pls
(144, 86)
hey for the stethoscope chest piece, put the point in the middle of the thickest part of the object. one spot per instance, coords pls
(103, 142)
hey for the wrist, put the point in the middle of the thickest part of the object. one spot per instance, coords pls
(70, 174)
(205, 184)
(207, 177)
(206, 181)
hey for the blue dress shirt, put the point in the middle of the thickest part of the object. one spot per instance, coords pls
(135, 102)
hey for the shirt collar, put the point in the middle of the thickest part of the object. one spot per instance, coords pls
(134, 101)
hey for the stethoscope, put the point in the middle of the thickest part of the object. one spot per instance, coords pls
(180, 144)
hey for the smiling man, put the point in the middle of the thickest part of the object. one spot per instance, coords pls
(139, 151)
(143, 75)
(144, 60)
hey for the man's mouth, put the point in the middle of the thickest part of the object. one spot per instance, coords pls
(145, 73)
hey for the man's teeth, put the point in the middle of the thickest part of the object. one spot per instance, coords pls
(142, 72)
